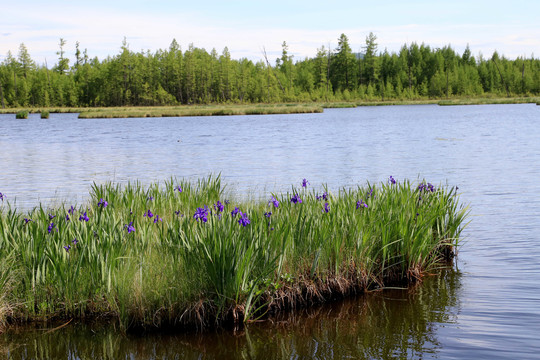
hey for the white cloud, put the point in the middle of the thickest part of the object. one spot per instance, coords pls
(102, 32)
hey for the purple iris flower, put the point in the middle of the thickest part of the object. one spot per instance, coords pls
(157, 218)
(51, 216)
(235, 211)
(178, 188)
(150, 198)
(2, 196)
(74, 241)
(83, 217)
(423, 187)
(268, 214)
(71, 210)
(102, 203)
(219, 207)
(243, 220)
(26, 221)
(177, 212)
(130, 228)
(67, 247)
(324, 196)
(148, 213)
(360, 203)
(392, 180)
(50, 227)
(201, 214)
(274, 202)
(227, 202)
(326, 208)
(305, 183)
(296, 199)
(67, 217)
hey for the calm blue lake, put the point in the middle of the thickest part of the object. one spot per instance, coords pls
(487, 307)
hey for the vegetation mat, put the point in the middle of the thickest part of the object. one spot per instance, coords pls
(187, 254)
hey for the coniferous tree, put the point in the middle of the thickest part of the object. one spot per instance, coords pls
(343, 66)
(63, 62)
(171, 76)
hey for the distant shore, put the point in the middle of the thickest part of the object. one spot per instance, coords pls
(256, 109)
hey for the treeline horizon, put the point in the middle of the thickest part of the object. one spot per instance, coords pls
(195, 76)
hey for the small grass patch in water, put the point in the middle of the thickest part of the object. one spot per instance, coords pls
(23, 114)
(187, 254)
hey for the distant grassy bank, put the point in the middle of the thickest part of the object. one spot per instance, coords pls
(188, 254)
(182, 110)
(254, 109)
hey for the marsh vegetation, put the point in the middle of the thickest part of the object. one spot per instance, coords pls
(187, 254)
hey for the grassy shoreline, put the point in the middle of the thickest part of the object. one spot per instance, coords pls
(255, 109)
(183, 255)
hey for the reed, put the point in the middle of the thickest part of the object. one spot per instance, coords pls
(188, 254)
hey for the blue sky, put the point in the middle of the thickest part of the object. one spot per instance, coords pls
(246, 27)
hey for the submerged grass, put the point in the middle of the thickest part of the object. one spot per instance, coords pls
(184, 254)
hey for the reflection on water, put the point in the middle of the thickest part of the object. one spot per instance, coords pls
(380, 325)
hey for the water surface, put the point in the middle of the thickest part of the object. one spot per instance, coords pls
(489, 307)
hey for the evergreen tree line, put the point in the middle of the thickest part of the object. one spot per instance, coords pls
(194, 76)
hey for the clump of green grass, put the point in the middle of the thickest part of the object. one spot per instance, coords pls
(44, 114)
(189, 254)
(206, 110)
(23, 114)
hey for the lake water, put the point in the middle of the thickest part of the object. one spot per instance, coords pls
(487, 307)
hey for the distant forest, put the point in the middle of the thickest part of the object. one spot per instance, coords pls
(195, 76)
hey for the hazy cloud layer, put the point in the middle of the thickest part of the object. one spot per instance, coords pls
(246, 27)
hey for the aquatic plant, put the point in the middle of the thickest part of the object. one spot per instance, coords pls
(295, 199)
(274, 201)
(201, 214)
(23, 114)
(84, 217)
(125, 261)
